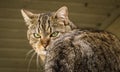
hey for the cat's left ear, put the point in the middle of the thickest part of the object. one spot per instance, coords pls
(62, 13)
(27, 15)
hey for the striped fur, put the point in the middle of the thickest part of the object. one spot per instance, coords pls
(69, 49)
(84, 51)
(43, 25)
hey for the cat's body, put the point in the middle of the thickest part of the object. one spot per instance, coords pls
(69, 49)
(84, 51)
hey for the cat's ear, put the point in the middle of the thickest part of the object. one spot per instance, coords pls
(62, 12)
(27, 15)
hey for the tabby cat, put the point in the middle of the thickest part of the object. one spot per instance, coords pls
(46, 27)
(63, 48)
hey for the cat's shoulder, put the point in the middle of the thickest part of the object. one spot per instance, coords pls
(91, 31)
(83, 33)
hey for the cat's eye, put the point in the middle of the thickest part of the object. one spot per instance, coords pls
(54, 34)
(36, 35)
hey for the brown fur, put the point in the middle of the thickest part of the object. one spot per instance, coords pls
(84, 51)
(69, 49)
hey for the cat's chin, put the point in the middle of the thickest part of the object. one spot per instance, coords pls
(42, 55)
(41, 52)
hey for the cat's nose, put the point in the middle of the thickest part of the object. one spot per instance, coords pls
(45, 45)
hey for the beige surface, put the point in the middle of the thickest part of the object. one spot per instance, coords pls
(115, 27)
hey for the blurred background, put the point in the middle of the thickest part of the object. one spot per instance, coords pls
(98, 14)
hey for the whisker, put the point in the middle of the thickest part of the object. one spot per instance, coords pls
(30, 61)
(28, 53)
(38, 62)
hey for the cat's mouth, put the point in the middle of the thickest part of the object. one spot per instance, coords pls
(40, 52)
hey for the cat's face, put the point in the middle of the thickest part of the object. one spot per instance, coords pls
(44, 28)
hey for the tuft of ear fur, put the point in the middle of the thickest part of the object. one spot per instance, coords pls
(62, 12)
(27, 15)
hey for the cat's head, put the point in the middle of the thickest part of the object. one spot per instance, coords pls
(43, 28)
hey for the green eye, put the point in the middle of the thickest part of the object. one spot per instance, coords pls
(36, 35)
(54, 34)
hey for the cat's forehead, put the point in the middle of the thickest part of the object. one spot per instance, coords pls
(45, 15)
(42, 23)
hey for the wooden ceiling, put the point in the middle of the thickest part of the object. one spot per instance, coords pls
(100, 14)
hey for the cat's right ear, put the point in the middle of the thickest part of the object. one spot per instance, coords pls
(27, 15)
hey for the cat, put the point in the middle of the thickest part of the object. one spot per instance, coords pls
(65, 48)
(46, 27)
